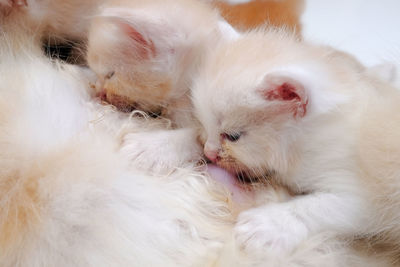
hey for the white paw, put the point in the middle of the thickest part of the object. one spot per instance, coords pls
(271, 228)
(161, 151)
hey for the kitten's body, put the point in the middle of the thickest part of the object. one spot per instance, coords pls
(312, 118)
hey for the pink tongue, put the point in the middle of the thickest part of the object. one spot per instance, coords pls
(219, 174)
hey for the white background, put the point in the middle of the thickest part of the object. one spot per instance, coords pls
(368, 29)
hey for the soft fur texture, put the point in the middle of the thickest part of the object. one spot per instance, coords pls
(311, 118)
(71, 197)
(255, 13)
(146, 52)
(52, 19)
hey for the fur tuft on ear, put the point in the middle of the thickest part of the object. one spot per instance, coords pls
(289, 92)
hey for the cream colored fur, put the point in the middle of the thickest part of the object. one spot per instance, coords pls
(340, 156)
(52, 19)
(152, 49)
(71, 197)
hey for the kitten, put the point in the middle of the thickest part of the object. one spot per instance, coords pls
(312, 118)
(146, 52)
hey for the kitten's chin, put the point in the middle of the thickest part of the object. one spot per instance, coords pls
(245, 175)
(120, 102)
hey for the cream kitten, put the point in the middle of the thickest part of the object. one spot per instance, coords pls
(273, 107)
(146, 52)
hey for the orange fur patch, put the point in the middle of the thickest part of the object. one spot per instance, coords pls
(19, 207)
(147, 93)
(258, 12)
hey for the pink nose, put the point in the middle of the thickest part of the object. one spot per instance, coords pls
(211, 155)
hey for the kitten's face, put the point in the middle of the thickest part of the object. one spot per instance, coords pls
(132, 72)
(252, 97)
(248, 140)
(145, 55)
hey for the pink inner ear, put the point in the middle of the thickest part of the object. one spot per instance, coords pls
(284, 92)
(145, 48)
(292, 94)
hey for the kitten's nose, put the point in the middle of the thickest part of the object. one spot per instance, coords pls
(211, 150)
(211, 155)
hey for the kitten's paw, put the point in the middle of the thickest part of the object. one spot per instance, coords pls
(271, 228)
(161, 151)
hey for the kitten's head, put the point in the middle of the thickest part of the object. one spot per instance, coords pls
(253, 96)
(145, 52)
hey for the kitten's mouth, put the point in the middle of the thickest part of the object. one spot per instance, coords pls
(242, 176)
(245, 178)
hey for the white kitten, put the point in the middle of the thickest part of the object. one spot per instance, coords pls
(315, 120)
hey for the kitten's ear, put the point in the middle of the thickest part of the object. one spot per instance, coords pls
(146, 33)
(288, 91)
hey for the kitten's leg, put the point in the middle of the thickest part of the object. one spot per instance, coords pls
(162, 150)
(281, 227)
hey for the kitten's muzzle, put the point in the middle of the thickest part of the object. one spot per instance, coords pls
(212, 155)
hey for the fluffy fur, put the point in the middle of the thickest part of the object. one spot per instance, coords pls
(146, 52)
(52, 20)
(151, 47)
(251, 14)
(312, 118)
(70, 197)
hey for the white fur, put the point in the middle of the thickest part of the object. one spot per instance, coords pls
(160, 151)
(317, 156)
(87, 205)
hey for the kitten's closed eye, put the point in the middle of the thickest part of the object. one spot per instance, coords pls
(110, 74)
(233, 137)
